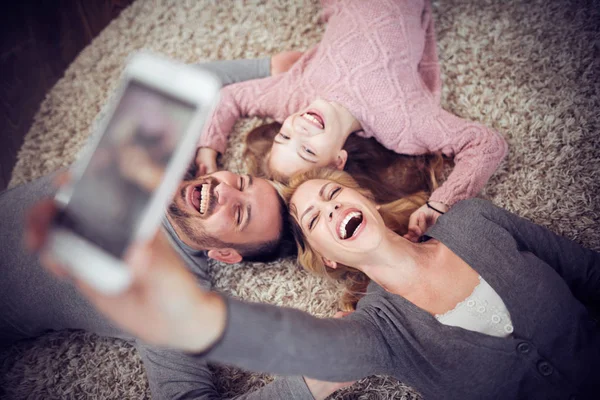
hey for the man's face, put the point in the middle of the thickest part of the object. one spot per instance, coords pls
(225, 209)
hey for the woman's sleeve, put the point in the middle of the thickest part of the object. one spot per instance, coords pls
(477, 152)
(578, 266)
(234, 71)
(285, 341)
(254, 98)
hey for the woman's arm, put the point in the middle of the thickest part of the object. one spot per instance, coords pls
(578, 266)
(165, 307)
(477, 152)
(286, 341)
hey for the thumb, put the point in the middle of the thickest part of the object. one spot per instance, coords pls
(138, 258)
(211, 167)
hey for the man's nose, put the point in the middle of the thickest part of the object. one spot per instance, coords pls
(226, 193)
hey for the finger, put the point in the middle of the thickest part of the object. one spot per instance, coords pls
(212, 167)
(411, 236)
(53, 266)
(412, 223)
(106, 304)
(342, 314)
(138, 258)
(37, 223)
(62, 178)
(422, 222)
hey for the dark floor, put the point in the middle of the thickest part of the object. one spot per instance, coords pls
(38, 41)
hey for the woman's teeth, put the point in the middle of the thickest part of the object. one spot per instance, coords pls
(310, 117)
(356, 218)
(203, 198)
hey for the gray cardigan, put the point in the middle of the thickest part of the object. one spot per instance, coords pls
(544, 280)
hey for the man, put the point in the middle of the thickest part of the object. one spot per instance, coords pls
(238, 221)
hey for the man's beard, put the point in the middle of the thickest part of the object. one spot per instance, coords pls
(192, 225)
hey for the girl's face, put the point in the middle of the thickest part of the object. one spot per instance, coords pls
(312, 138)
(342, 225)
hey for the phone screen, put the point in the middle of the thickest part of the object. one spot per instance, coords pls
(126, 167)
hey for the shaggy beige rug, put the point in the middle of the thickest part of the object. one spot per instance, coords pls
(529, 69)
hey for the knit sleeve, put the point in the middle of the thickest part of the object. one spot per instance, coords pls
(477, 152)
(255, 98)
(429, 65)
(285, 341)
(330, 7)
(578, 266)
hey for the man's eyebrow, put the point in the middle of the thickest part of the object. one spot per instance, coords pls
(249, 180)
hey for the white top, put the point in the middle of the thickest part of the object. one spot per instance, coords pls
(482, 311)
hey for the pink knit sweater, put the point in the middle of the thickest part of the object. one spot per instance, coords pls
(378, 59)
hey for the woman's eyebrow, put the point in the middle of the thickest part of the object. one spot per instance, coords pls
(305, 212)
(323, 190)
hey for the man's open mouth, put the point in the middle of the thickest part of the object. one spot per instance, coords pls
(350, 225)
(200, 197)
(314, 118)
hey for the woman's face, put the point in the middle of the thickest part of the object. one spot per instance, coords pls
(339, 223)
(312, 138)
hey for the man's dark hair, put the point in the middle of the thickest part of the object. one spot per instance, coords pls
(283, 246)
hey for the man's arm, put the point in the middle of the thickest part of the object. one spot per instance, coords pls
(175, 375)
(234, 71)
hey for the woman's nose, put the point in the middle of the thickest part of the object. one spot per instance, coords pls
(335, 208)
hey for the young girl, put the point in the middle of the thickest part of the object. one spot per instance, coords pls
(491, 306)
(375, 73)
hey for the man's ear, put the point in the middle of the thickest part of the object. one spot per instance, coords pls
(226, 255)
(329, 263)
(340, 161)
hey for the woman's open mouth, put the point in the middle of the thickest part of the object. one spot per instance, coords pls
(199, 197)
(314, 118)
(350, 225)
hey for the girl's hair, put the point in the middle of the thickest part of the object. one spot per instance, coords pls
(395, 215)
(386, 174)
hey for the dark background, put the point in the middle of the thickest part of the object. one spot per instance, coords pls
(38, 41)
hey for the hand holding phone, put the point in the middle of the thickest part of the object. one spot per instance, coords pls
(163, 306)
(120, 189)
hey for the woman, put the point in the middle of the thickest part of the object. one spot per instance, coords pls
(375, 73)
(488, 305)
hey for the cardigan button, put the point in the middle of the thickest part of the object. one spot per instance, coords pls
(545, 368)
(524, 348)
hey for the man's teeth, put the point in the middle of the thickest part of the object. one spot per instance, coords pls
(353, 214)
(203, 198)
(312, 119)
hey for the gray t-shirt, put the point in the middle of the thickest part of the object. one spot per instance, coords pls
(545, 280)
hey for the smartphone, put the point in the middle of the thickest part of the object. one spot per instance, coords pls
(119, 190)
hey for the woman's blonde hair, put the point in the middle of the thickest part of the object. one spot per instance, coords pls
(395, 215)
(387, 175)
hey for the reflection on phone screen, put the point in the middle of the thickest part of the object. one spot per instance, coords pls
(126, 167)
